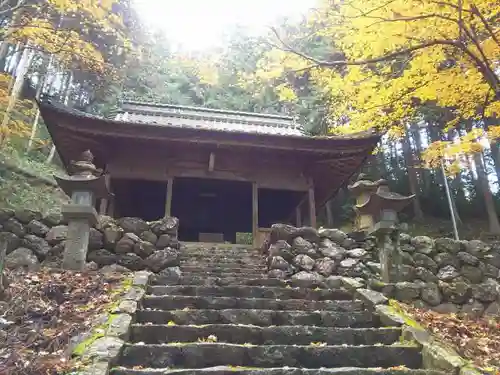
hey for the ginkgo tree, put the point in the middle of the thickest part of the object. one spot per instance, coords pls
(392, 57)
(390, 60)
(85, 35)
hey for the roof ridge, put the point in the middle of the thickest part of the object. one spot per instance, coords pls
(208, 110)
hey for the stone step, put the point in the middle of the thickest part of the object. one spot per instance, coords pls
(221, 269)
(279, 335)
(199, 355)
(220, 248)
(217, 303)
(223, 253)
(253, 267)
(261, 317)
(237, 280)
(223, 262)
(243, 274)
(252, 292)
(224, 370)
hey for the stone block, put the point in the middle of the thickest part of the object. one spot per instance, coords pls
(334, 282)
(418, 335)
(446, 308)
(468, 370)
(407, 292)
(126, 307)
(95, 368)
(104, 349)
(437, 356)
(351, 284)
(141, 278)
(119, 326)
(388, 316)
(134, 294)
(371, 297)
(431, 294)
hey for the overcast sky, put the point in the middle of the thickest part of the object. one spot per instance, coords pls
(200, 24)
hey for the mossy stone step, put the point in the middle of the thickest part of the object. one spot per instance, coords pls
(222, 257)
(263, 318)
(225, 370)
(279, 335)
(237, 276)
(234, 252)
(199, 355)
(252, 292)
(197, 279)
(223, 262)
(222, 269)
(209, 302)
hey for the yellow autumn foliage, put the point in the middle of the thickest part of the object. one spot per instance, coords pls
(67, 28)
(21, 115)
(398, 56)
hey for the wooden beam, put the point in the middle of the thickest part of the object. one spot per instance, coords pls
(312, 207)
(103, 206)
(111, 208)
(168, 202)
(255, 212)
(298, 216)
(211, 162)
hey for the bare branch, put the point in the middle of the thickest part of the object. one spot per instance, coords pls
(5, 4)
(451, 5)
(414, 18)
(486, 24)
(390, 56)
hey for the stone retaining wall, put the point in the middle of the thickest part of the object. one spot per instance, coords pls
(126, 244)
(442, 274)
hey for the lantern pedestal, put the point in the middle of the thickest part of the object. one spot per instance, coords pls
(80, 219)
(84, 186)
(378, 215)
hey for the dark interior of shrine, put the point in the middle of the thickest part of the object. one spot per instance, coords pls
(139, 198)
(212, 206)
(277, 206)
(204, 205)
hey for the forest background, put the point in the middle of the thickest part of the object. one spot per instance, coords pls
(425, 72)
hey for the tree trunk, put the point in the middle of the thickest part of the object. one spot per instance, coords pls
(412, 176)
(3, 254)
(484, 185)
(329, 213)
(495, 155)
(4, 50)
(67, 94)
(34, 126)
(21, 72)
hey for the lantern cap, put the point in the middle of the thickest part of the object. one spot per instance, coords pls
(84, 176)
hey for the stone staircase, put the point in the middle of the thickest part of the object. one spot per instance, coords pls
(223, 316)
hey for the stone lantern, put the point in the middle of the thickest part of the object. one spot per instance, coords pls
(382, 207)
(362, 189)
(85, 184)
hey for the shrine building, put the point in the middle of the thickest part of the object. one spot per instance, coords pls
(220, 172)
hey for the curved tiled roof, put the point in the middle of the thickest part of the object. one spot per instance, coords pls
(207, 118)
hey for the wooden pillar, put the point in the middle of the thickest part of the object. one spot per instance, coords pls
(103, 206)
(255, 212)
(312, 206)
(168, 201)
(329, 214)
(298, 216)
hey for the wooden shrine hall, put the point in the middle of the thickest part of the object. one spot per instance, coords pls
(220, 172)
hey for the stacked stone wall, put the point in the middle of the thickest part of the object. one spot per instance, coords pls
(441, 274)
(126, 244)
